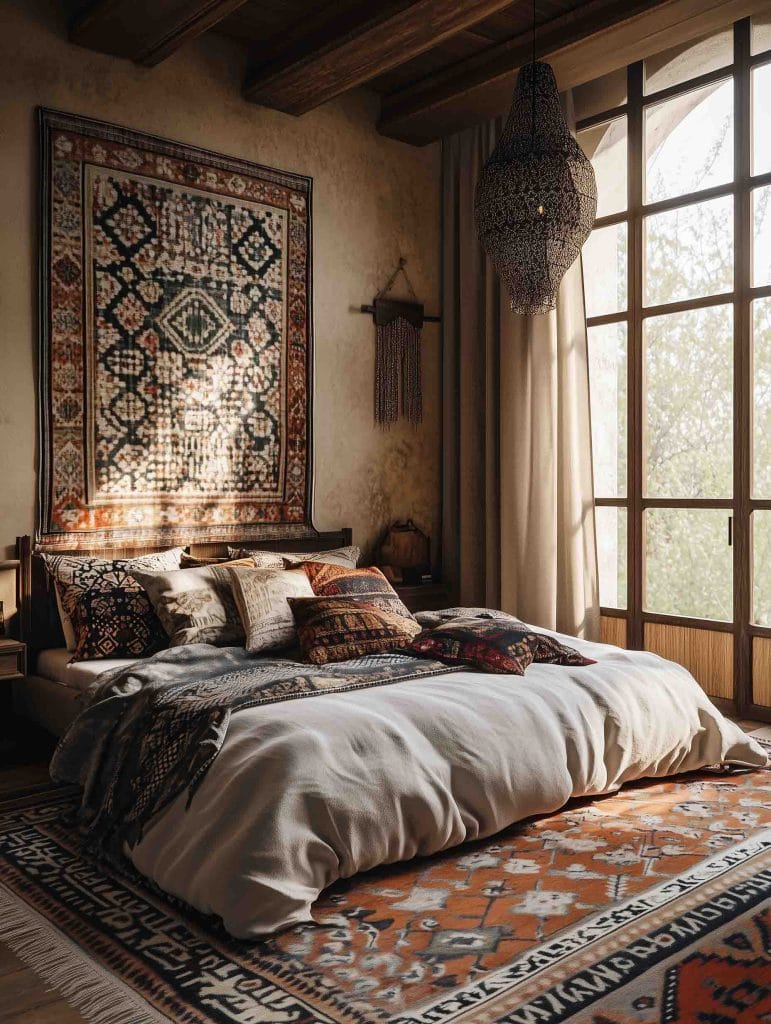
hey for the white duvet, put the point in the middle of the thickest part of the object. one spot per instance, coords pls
(309, 791)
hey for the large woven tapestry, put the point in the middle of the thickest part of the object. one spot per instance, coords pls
(175, 341)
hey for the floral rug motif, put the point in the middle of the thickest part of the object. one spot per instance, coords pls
(650, 906)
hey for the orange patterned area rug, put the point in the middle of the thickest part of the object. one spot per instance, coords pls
(652, 906)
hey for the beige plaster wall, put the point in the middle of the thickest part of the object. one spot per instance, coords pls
(374, 199)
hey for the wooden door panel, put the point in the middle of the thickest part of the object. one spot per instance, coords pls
(706, 653)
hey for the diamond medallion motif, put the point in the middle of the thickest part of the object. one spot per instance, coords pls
(194, 322)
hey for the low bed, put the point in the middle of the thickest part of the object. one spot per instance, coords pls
(53, 696)
(245, 785)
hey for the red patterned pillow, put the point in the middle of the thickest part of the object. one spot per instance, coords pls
(493, 646)
(339, 628)
(368, 585)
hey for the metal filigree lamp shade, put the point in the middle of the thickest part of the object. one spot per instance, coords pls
(536, 199)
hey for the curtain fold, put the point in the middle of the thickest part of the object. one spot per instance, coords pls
(518, 504)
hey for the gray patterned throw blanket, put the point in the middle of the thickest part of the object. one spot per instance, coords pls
(151, 731)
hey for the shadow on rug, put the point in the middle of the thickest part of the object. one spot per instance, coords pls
(652, 905)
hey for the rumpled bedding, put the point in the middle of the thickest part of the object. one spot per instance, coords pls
(303, 792)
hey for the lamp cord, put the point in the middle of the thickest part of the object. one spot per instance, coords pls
(533, 31)
(532, 88)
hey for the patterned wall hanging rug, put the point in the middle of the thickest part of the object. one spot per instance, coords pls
(175, 341)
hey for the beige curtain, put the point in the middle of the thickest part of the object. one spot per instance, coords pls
(518, 521)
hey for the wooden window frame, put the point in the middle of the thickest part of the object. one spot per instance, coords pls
(742, 505)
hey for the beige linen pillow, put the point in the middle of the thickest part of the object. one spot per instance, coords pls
(196, 606)
(347, 557)
(73, 575)
(261, 598)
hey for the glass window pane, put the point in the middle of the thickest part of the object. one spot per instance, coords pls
(689, 142)
(688, 563)
(605, 145)
(761, 242)
(599, 95)
(761, 406)
(689, 252)
(761, 568)
(688, 60)
(607, 385)
(761, 119)
(605, 270)
(688, 411)
(761, 33)
(611, 555)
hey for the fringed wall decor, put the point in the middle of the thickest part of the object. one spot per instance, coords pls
(398, 325)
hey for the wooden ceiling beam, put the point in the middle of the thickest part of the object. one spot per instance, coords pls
(145, 31)
(371, 39)
(582, 45)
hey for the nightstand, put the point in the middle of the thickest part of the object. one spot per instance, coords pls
(426, 597)
(13, 665)
(13, 659)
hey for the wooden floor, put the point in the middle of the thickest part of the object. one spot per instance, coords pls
(24, 999)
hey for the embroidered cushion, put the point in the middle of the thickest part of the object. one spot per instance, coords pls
(116, 622)
(338, 628)
(261, 598)
(196, 606)
(493, 646)
(73, 575)
(279, 559)
(362, 584)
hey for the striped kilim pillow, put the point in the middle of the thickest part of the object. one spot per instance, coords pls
(362, 584)
(338, 628)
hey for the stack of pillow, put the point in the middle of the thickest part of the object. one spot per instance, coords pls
(273, 601)
(265, 601)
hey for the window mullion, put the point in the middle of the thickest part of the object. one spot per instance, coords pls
(742, 369)
(635, 538)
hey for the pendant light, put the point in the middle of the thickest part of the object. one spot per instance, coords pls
(536, 198)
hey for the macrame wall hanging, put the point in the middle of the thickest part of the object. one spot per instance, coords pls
(398, 326)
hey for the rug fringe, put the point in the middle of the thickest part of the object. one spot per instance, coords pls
(99, 996)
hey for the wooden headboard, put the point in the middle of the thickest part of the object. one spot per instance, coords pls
(35, 603)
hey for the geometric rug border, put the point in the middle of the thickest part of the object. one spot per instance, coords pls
(98, 994)
(107, 999)
(582, 936)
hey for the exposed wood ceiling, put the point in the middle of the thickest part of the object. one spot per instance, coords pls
(145, 31)
(353, 49)
(439, 65)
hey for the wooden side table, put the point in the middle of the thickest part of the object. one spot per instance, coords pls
(426, 597)
(13, 659)
(13, 665)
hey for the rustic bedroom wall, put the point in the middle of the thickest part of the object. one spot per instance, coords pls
(374, 199)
